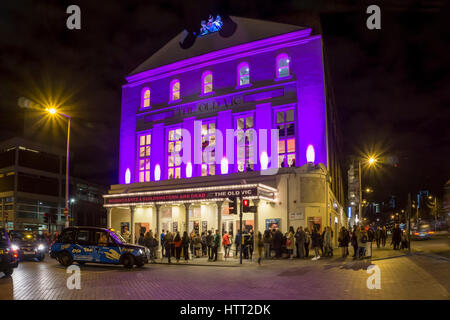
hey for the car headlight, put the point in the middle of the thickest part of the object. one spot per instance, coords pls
(14, 247)
(141, 252)
(41, 247)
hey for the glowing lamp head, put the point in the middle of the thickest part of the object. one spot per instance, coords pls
(157, 172)
(310, 154)
(51, 110)
(189, 170)
(224, 166)
(264, 160)
(372, 160)
(127, 176)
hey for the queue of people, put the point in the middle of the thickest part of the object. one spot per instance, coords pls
(272, 243)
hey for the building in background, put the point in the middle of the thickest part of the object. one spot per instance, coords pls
(251, 75)
(32, 188)
(86, 203)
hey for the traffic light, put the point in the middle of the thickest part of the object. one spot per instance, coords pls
(232, 205)
(45, 218)
(246, 206)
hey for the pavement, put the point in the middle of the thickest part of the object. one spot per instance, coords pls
(422, 275)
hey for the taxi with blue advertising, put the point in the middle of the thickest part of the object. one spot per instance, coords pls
(96, 245)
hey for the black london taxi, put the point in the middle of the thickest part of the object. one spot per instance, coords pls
(97, 245)
(9, 257)
(28, 244)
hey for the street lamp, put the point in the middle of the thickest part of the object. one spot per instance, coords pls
(371, 161)
(52, 111)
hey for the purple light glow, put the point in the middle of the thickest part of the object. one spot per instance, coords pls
(310, 155)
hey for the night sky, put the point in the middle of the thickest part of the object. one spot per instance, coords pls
(391, 86)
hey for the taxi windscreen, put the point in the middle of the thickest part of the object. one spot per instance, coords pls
(22, 236)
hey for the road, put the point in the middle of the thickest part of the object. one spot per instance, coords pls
(424, 275)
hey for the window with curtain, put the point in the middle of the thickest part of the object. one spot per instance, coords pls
(144, 145)
(244, 143)
(145, 98)
(207, 85)
(286, 144)
(174, 160)
(175, 90)
(208, 141)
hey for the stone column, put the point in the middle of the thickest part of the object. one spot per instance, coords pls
(108, 217)
(158, 230)
(256, 229)
(132, 210)
(220, 252)
(186, 208)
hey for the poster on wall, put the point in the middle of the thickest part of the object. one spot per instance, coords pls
(175, 226)
(166, 212)
(123, 226)
(141, 228)
(297, 215)
(273, 223)
(165, 226)
(196, 227)
(204, 226)
(315, 222)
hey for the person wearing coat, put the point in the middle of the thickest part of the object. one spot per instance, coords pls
(216, 245)
(328, 250)
(396, 236)
(378, 236)
(290, 242)
(300, 242)
(185, 245)
(363, 239)
(315, 243)
(168, 243)
(177, 246)
(277, 243)
(307, 242)
(354, 241)
(344, 239)
(267, 238)
(383, 236)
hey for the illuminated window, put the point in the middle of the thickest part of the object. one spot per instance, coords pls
(144, 150)
(174, 154)
(243, 74)
(175, 90)
(207, 82)
(208, 142)
(145, 101)
(286, 144)
(245, 149)
(282, 65)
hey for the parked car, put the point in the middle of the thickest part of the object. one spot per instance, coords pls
(28, 244)
(9, 257)
(98, 245)
(422, 232)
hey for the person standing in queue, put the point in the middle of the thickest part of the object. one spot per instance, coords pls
(163, 246)
(316, 243)
(260, 246)
(210, 244)
(168, 242)
(307, 242)
(185, 245)
(177, 246)
(216, 245)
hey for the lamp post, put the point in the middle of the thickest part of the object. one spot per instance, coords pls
(371, 161)
(435, 211)
(28, 104)
(53, 111)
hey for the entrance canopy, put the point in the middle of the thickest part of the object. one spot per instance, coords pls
(189, 195)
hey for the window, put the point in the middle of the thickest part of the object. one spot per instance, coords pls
(207, 82)
(145, 100)
(243, 74)
(68, 236)
(144, 142)
(83, 237)
(245, 148)
(282, 65)
(286, 144)
(175, 90)
(208, 142)
(174, 154)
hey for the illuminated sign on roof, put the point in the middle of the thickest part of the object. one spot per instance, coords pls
(210, 26)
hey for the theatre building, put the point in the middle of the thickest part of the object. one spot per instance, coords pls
(178, 166)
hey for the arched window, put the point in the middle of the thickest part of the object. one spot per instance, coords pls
(175, 90)
(282, 65)
(145, 98)
(243, 74)
(207, 82)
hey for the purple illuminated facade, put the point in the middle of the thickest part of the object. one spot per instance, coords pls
(265, 76)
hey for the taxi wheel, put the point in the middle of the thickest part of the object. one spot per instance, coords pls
(140, 265)
(65, 259)
(128, 261)
(41, 257)
(8, 272)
